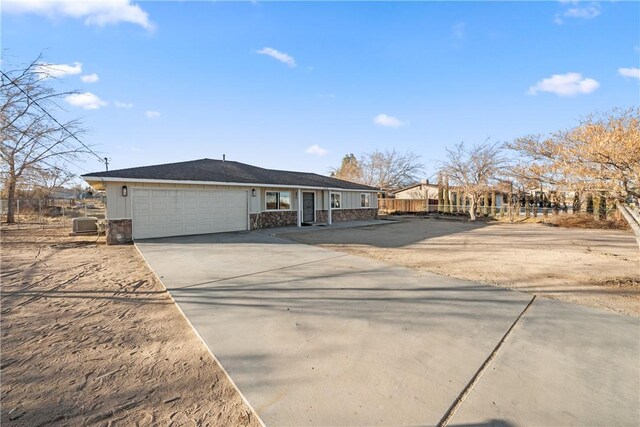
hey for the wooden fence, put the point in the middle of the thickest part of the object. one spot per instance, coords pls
(431, 206)
(408, 205)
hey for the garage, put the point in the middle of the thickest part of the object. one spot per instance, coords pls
(173, 212)
(209, 196)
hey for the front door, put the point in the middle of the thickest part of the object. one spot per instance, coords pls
(308, 207)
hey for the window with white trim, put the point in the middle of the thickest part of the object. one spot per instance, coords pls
(335, 200)
(365, 200)
(277, 200)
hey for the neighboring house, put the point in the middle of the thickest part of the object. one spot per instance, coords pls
(551, 196)
(63, 193)
(212, 196)
(423, 190)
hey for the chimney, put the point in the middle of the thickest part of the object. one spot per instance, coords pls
(424, 181)
(224, 157)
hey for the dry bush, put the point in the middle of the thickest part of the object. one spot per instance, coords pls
(620, 282)
(613, 222)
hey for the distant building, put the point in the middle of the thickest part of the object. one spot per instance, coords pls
(421, 190)
(424, 190)
(63, 193)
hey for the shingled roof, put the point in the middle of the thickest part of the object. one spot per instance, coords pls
(210, 170)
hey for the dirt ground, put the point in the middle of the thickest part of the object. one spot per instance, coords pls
(597, 268)
(90, 337)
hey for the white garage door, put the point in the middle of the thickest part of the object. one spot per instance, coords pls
(163, 213)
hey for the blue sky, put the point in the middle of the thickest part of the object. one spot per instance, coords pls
(263, 82)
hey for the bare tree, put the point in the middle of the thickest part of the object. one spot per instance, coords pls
(517, 178)
(390, 169)
(31, 137)
(474, 170)
(49, 178)
(600, 154)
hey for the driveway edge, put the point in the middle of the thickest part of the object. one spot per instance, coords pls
(244, 399)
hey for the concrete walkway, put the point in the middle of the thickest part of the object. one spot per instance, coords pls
(316, 337)
(323, 227)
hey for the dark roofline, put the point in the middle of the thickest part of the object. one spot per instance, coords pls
(414, 186)
(226, 172)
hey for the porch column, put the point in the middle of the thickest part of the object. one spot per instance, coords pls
(329, 207)
(299, 207)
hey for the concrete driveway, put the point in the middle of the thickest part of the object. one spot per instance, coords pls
(316, 337)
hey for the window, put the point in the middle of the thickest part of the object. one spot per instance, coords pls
(335, 200)
(285, 200)
(272, 200)
(278, 200)
(365, 200)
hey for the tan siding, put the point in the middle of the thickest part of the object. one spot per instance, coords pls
(423, 192)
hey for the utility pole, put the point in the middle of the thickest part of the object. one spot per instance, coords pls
(106, 163)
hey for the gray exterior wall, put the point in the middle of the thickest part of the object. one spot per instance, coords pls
(120, 207)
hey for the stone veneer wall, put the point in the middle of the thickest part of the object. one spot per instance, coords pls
(273, 219)
(338, 215)
(321, 216)
(118, 232)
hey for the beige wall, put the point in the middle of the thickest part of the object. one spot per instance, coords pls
(120, 207)
(421, 192)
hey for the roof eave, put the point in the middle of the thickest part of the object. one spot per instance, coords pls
(101, 180)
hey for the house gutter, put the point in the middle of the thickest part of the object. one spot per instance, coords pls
(219, 183)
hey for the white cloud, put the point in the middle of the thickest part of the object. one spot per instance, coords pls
(152, 114)
(459, 30)
(58, 70)
(326, 95)
(90, 78)
(276, 54)
(629, 72)
(94, 12)
(125, 105)
(569, 84)
(578, 12)
(86, 100)
(388, 121)
(588, 12)
(316, 150)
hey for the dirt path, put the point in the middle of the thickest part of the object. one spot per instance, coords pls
(90, 337)
(597, 268)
